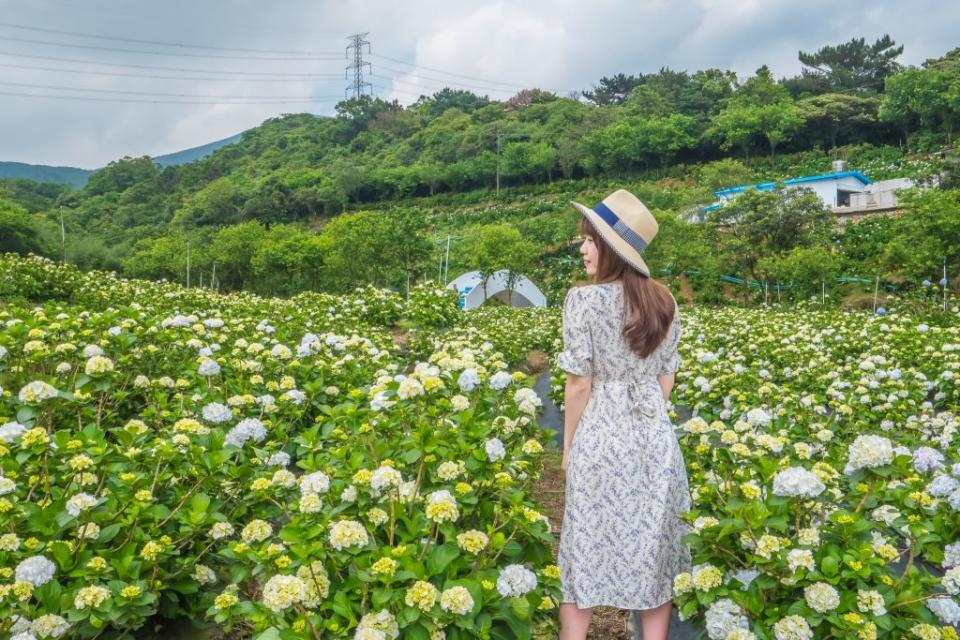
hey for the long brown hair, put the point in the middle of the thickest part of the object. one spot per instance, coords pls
(648, 305)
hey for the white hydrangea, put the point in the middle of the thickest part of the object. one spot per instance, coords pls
(495, 449)
(927, 459)
(527, 400)
(37, 570)
(500, 380)
(821, 597)
(792, 628)
(759, 417)
(382, 623)
(384, 478)
(80, 503)
(209, 367)
(278, 459)
(468, 380)
(868, 452)
(10, 431)
(951, 555)
(409, 388)
(246, 429)
(722, 617)
(942, 486)
(516, 580)
(951, 581)
(800, 559)
(37, 391)
(49, 626)
(946, 609)
(316, 482)
(282, 592)
(797, 482)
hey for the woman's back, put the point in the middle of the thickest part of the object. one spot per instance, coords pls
(597, 341)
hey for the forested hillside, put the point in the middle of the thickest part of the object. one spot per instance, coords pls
(269, 211)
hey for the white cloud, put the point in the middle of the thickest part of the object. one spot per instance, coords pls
(558, 45)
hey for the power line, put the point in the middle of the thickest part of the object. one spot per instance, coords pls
(162, 53)
(444, 82)
(164, 95)
(146, 101)
(127, 65)
(165, 44)
(115, 74)
(451, 73)
(357, 43)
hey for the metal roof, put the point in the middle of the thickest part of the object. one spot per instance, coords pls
(769, 186)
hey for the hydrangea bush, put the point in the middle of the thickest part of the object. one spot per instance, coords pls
(272, 466)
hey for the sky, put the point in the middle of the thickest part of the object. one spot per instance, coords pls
(84, 83)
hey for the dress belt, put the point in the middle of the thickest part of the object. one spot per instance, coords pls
(645, 396)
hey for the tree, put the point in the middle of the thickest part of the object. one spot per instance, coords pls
(459, 99)
(930, 231)
(372, 248)
(928, 98)
(20, 231)
(661, 138)
(765, 223)
(289, 260)
(523, 159)
(218, 203)
(233, 248)
(120, 175)
(760, 107)
(526, 97)
(496, 247)
(803, 269)
(826, 115)
(854, 66)
(613, 90)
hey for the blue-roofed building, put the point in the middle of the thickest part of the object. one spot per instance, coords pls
(846, 193)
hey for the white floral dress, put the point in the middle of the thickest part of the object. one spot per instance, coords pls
(620, 543)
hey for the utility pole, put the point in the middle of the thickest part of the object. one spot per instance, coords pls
(63, 236)
(357, 43)
(498, 162)
(188, 264)
(446, 262)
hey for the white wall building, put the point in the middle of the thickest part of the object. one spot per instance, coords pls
(844, 192)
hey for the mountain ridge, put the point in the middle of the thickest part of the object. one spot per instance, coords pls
(76, 177)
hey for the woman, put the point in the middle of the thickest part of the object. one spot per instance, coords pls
(620, 543)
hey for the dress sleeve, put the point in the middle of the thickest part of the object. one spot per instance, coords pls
(577, 354)
(669, 354)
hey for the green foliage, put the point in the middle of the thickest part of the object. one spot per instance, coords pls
(854, 66)
(496, 247)
(758, 224)
(22, 232)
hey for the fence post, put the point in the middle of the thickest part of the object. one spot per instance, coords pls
(876, 288)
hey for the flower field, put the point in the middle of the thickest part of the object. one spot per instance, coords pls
(823, 462)
(279, 468)
(283, 469)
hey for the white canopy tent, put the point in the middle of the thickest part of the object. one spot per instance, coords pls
(473, 294)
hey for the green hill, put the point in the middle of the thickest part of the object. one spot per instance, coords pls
(71, 176)
(455, 160)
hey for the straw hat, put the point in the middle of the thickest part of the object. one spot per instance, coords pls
(625, 224)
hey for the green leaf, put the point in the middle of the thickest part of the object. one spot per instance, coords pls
(269, 634)
(520, 607)
(829, 566)
(440, 557)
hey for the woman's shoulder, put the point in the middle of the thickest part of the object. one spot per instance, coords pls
(587, 293)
